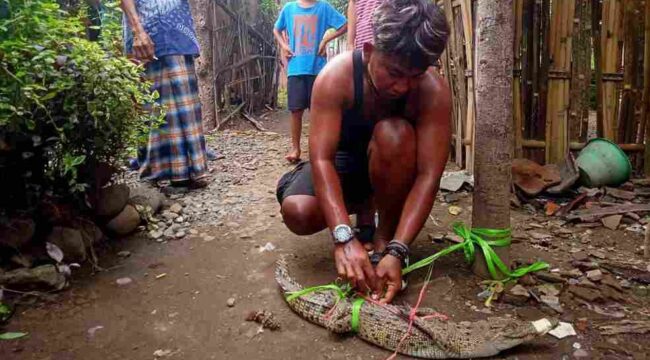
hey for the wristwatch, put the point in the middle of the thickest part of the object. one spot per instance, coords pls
(342, 234)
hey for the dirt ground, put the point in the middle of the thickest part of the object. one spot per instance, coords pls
(176, 305)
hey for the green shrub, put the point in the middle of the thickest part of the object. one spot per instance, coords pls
(68, 106)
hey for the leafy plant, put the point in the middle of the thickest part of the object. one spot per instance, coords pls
(67, 104)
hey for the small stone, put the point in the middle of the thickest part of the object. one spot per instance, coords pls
(549, 277)
(581, 256)
(625, 283)
(612, 222)
(527, 280)
(169, 216)
(230, 302)
(208, 238)
(585, 294)
(111, 200)
(180, 234)
(169, 233)
(70, 242)
(194, 232)
(553, 302)
(573, 273)
(595, 275)
(176, 208)
(124, 281)
(125, 222)
(582, 324)
(548, 289)
(597, 254)
(580, 354)
(156, 234)
(124, 254)
(519, 290)
(179, 220)
(436, 238)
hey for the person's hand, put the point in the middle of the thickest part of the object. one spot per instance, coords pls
(286, 51)
(353, 265)
(389, 277)
(322, 48)
(143, 47)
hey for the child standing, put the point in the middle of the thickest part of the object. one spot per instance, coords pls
(305, 22)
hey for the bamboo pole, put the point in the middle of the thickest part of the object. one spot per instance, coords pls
(596, 40)
(452, 74)
(646, 91)
(466, 11)
(558, 98)
(610, 35)
(516, 86)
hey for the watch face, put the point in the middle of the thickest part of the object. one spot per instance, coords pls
(342, 233)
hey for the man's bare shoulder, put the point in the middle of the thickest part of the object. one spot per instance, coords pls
(434, 91)
(336, 78)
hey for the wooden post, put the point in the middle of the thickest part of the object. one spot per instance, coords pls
(627, 118)
(646, 91)
(203, 24)
(494, 64)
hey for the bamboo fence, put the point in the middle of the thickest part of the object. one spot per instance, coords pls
(245, 69)
(582, 70)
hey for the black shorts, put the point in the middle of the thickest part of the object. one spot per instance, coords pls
(352, 171)
(299, 91)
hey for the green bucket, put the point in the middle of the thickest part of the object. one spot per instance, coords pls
(602, 163)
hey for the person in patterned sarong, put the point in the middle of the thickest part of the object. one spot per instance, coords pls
(160, 34)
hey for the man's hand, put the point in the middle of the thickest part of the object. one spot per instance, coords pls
(389, 277)
(143, 46)
(353, 264)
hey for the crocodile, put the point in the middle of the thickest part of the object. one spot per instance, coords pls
(429, 337)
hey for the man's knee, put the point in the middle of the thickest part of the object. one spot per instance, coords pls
(394, 137)
(301, 216)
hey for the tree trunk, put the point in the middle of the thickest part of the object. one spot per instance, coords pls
(202, 15)
(492, 167)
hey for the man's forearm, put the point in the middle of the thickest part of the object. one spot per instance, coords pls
(417, 207)
(329, 193)
(128, 6)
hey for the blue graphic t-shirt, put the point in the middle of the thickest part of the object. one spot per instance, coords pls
(168, 23)
(305, 28)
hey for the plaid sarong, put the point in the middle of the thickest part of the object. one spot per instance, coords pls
(176, 150)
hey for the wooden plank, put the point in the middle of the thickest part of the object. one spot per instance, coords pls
(540, 144)
(646, 89)
(545, 25)
(591, 214)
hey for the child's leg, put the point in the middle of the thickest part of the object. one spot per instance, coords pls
(296, 131)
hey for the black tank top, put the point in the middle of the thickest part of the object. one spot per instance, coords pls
(356, 131)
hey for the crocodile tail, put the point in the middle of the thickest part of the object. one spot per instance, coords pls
(287, 284)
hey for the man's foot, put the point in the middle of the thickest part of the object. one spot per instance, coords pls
(293, 156)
